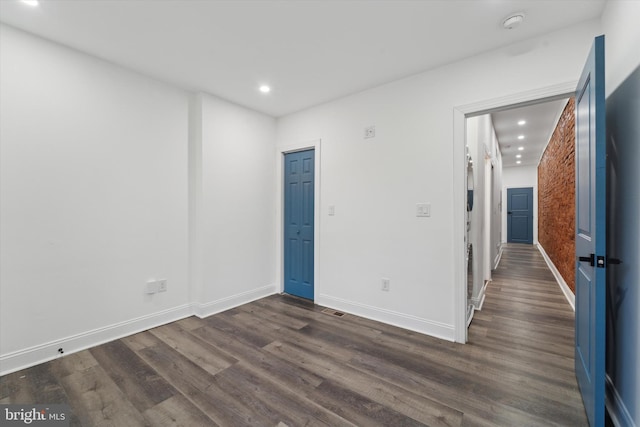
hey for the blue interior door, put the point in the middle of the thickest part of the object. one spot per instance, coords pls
(298, 223)
(591, 235)
(520, 215)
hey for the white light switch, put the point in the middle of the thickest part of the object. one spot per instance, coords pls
(423, 209)
(332, 210)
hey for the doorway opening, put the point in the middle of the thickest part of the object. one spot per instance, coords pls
(503, 142)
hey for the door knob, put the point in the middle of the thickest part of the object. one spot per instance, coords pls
(298, 232)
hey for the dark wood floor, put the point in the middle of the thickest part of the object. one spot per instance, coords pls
(282, 361)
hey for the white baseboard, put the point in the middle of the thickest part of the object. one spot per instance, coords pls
(478, 300)
(35, 355)
(571, 298)
(496, 261)
(226, 303)
(616, 407)
(413, 323)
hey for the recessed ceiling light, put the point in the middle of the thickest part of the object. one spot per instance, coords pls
(520, 148)
(32, 3)
(522, 122)
(265, 89)
(513, 21)
(518, 156)
(518, 162)
(520, 136)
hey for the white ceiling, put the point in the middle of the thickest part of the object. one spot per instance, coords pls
(541, 120)
(308, 51)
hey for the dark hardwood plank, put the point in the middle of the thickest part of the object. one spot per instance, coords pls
(205, 355)
(141, 384)
(199, 387)
(97, 401)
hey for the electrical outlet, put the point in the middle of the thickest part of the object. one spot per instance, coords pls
(162, 285)
(386, 283)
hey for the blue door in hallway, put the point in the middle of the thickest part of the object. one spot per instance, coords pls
(298, 223)
(520, 215)
(591, 259)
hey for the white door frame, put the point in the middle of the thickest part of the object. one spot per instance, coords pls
(280, 152)
(460, 113)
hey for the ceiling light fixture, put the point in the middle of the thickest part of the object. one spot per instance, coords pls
(522, 122)
(520, 136)
(265, 89)
(32, 3)
(513, 21)
(520, 148)
(518, 162)
(518, 156)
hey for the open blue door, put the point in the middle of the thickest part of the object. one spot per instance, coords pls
(591, 257)
(299, 176)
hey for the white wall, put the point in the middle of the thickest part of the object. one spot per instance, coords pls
(375, 183)
(235, 236)
(110, 179)
(517, 177)
(93, 187)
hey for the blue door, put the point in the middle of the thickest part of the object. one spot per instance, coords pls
(298, 223)
(591, 234)
(520, 215)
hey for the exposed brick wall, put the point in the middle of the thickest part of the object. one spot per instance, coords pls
(556, 196)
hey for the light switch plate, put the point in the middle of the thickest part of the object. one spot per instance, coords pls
(332, 210)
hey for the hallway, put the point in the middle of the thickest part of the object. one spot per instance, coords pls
(526, 329)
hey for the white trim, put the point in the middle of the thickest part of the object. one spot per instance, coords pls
(41, 353)
(616, 407)
(401, 320)
(315, 145)
(226, 303)
(571, 298)
(460, 113)
(459, 227)
(478, 301)
(496, 262)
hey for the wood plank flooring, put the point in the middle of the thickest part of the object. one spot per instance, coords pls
(281, 361)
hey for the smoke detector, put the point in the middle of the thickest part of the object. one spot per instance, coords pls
(513, 21)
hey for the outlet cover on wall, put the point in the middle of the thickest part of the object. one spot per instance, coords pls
(162, 285)
(386, 283)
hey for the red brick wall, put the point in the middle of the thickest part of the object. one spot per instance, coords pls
(556, 196)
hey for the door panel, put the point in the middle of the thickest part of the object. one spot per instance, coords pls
(520, 215)
(299, 223)
(591, 235)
